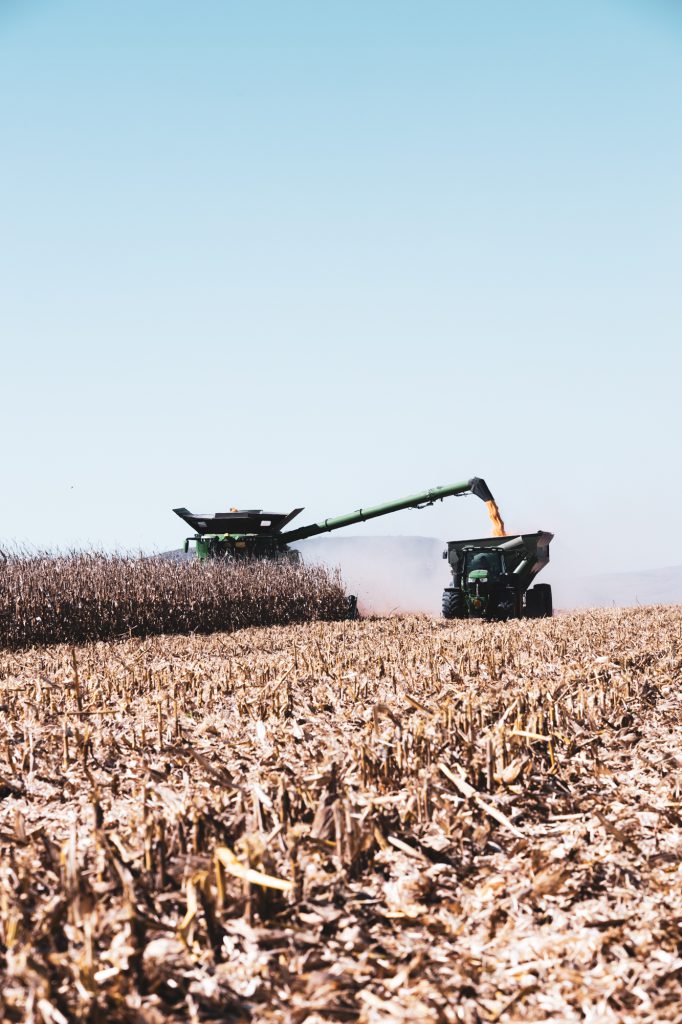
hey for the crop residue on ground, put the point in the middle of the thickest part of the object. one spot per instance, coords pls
(379, 821)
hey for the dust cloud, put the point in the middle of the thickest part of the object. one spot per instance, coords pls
(388, 574)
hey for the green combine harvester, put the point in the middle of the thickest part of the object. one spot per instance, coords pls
(252, 533)
(495, 590)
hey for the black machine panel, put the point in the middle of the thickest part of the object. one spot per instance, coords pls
(249, 520)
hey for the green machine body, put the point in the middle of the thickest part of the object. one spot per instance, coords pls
(253, 533)
(492, 577)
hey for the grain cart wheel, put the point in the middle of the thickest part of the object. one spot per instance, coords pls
(453, 606)
(532, 604)
(544, 599)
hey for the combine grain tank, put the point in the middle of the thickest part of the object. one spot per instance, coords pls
(491, 578)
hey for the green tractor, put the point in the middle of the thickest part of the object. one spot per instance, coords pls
(491, 578)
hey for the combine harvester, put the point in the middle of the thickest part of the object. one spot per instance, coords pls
(495, 590)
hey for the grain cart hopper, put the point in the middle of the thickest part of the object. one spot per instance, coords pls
(491, 578)
(252, 533)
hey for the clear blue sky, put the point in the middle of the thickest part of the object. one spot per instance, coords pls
(329, 253)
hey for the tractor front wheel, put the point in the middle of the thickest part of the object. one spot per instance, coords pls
(453, 605)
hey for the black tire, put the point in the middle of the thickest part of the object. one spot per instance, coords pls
(544, 592)
(539, 601)
(453, 605)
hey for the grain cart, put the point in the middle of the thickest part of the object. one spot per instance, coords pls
(252, 533)
(491, 578)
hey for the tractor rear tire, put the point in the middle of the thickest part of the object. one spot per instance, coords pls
(453, 605)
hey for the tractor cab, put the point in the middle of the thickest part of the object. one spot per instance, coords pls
(483, 566)
(484, 577)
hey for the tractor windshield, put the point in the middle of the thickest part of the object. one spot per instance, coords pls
(489, 562)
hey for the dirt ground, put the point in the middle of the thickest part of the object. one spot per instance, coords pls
(390, 820)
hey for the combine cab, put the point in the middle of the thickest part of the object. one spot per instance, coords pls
(491, 578)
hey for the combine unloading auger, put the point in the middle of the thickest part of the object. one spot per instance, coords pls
(252, 533)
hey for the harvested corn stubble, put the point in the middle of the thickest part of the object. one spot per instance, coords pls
(389, 820)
